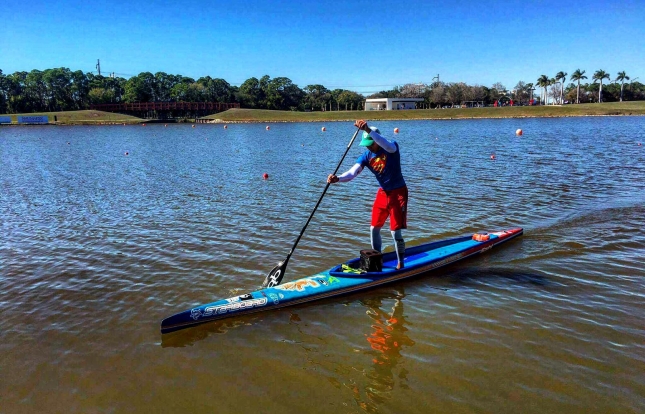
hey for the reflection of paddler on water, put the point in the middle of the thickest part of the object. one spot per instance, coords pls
(387, 338)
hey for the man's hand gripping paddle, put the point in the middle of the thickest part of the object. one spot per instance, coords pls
(275, 276)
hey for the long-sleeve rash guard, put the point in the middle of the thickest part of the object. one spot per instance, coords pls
(389, 178)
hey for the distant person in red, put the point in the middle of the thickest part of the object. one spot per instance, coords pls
(383, 159)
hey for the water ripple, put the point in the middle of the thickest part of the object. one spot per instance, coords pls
(98, 246)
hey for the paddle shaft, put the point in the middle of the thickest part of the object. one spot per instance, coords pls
(284, 264)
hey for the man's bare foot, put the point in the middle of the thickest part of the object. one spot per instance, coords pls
(400, 266)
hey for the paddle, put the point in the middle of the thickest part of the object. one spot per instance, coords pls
(275, 276)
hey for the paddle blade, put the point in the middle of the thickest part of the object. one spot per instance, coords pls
(275, 276)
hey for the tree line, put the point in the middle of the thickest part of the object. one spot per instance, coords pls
(590, 93)
(61, 89)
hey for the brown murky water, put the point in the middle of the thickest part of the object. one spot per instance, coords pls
(96, 247)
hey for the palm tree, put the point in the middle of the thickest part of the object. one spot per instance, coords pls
(529, 87)
(576, 77)
(599, 76)
(622, 77)
(551, 83)
(543, 82)
(561, 76)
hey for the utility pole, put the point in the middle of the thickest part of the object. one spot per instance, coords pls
(436, 77)
(98, 66)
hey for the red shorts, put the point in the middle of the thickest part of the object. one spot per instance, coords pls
(392, 203)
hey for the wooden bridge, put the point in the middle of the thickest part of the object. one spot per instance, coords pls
(166, 110)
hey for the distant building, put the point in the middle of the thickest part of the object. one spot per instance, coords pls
(391, 104)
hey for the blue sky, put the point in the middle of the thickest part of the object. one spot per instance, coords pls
(365, 46)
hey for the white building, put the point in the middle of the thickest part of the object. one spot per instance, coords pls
(391, 104)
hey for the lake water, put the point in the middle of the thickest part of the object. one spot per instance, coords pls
(97, 247)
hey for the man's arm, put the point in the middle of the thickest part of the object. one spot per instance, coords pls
(384, 143)
(348, 175)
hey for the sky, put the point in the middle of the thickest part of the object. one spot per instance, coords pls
(363, 46)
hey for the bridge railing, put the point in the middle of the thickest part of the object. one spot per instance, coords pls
(165, 106)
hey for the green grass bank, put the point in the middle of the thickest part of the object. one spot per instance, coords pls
(92, 117)
(86, 117)
(603, 109)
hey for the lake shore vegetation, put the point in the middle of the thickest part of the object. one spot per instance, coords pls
(75, 97)
(93, 117)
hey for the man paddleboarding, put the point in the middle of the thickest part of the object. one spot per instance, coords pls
(383, 159)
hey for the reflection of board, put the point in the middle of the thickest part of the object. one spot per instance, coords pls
(334, 282)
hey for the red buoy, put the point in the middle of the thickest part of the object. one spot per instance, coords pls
(396, 130)
(265, 176)
(518, 132)
(492, 157)
(225, 126)
(324, 129)
(268, 128)
(127, 153)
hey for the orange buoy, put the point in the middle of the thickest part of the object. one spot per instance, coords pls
(324, 129)
(268, 128)
(396, 130)
(265, 176)
(518, 132)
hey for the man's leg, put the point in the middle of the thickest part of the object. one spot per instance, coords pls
(375, 238)
(398, 205)
(399, 245)
(379, 215)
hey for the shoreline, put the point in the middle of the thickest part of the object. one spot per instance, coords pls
(251, 116)
(220, 121)
(286, 121)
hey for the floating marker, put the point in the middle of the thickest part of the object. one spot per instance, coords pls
(127, 153)
(268, 128)
(225, 126)
(144, 124)
(165, 125)
(396, 130)
(324, 129)
(265, 176)
(518, 132)
(492, 157)
(193, 126)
